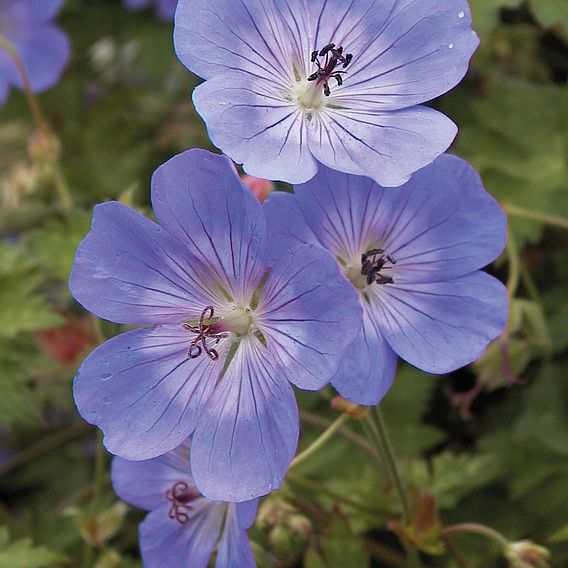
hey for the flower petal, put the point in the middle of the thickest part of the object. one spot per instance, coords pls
(32, 10)
(144, 483)
(234, 548)
(309, 313)
(251, 121)
(144, 392)
(45, 52)
(247, 435)
(288, 227)
(368, 366)
(442, 224)
(198, 197)
(260, 37)
(129, 270)
(386, 146)
(405, 52)
(441, 326)
(166, 542)
(246, 513)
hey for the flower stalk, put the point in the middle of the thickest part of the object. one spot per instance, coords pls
(324, 437)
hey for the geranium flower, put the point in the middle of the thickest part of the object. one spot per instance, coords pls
(292, 84)
(43, 48)
(165, 8)
(413, 255)
(227, 338)
(183, 528)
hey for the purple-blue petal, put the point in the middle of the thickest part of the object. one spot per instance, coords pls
(308, 313)
(198, 197)
(257, 36)
(166, 542)
(408, 52)
(252, 123)
(247, 434)
(129, 270)
(368, 366)
(234, 548)
(141, 389)
(441, 326)
(144, 484)
(386, 146)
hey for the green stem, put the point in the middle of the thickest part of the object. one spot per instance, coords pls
(475, 528)
(98, 482)
(321, 441)
(514, 266)
(378, 427)
(547, 219)
(62, 189)
(30, 97)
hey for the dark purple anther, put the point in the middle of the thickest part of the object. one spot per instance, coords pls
(333, 57)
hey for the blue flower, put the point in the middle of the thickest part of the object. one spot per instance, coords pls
(42, 46)
(183, 528)
(227, 338)
(413, 254)
(165, 8)
(293, 84)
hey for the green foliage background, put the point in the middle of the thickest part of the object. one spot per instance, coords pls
(487, 444)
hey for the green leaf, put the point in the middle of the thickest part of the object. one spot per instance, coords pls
(55, 244)
(339, 548)
(452, 477)
(486, 12)
(404, 407)
(551, 13)
(22, 553)
(21, 307)
(546, 417)
(524, 161)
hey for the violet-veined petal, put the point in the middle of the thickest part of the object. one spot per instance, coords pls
(248, 432)
(441, 326)
(234, 548)
(442, 224)
(129, 270)
(399, 61)
(165, 542)
(386, 146)
(308, 313)
(369, 365)
(258, 128)
(144, 483)
(198, 197)
(141, 389)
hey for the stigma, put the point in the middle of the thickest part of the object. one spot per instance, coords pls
(328, 68)
(373, 262)
(181, 495)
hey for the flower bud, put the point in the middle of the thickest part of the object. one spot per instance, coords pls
(527, 554)
(260, 188)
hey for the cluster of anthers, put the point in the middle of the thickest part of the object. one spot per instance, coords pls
(328, 70)
(180, 495)
(372, 262)
(204, 332)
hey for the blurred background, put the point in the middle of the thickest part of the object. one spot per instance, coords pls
(487, 444)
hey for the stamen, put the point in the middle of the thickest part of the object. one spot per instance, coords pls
(204, 332)
(180, 495)
(372, 262)
(328, 70)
